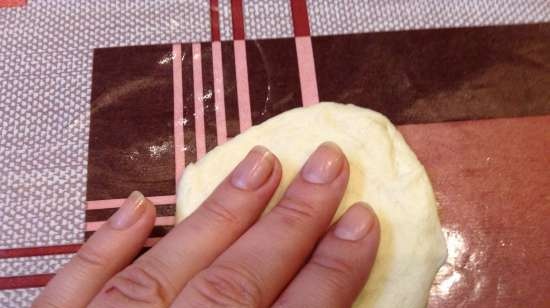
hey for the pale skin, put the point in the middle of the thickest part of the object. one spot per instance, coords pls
(225, 254)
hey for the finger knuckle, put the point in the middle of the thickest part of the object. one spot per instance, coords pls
(217, 211)
(137, 284)
(336, 269)
(46, 301)
(294, 211)
(90, 256)
(285, 302)
(222, 286)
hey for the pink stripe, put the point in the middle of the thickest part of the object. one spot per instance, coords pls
(150, 242)
(160, 200)
(159, 221)
(306, 67)
(243, 94)
(179, 149)
(199, 106)
(114, 203)
(217, 67)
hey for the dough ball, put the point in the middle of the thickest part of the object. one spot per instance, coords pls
(384, 173)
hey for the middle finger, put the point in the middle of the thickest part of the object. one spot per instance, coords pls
(253, 271)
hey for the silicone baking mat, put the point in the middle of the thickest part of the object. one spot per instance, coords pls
(101, 98)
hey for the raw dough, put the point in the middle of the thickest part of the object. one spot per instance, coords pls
(384, 172)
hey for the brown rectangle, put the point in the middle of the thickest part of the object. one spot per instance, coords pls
(131, 127)
(211, 137)
(230, 89)
(188, 104)
(273, 77)
(158, 231)
(441, 74)
(491, 181)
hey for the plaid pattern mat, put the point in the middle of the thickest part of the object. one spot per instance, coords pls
(82, 116)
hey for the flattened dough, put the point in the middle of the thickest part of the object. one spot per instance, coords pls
(384, 172)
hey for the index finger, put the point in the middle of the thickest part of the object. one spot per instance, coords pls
(160, 274)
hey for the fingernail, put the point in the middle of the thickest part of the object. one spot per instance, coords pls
(254, 170)
(356, 223)
(324, 165)
(130, 211)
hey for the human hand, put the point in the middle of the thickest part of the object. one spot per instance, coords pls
(225, 254)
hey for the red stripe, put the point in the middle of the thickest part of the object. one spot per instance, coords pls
(25, 281)
(299, 17)
(215, 20)
(11, 3)
(238, 19)
(38, 251)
